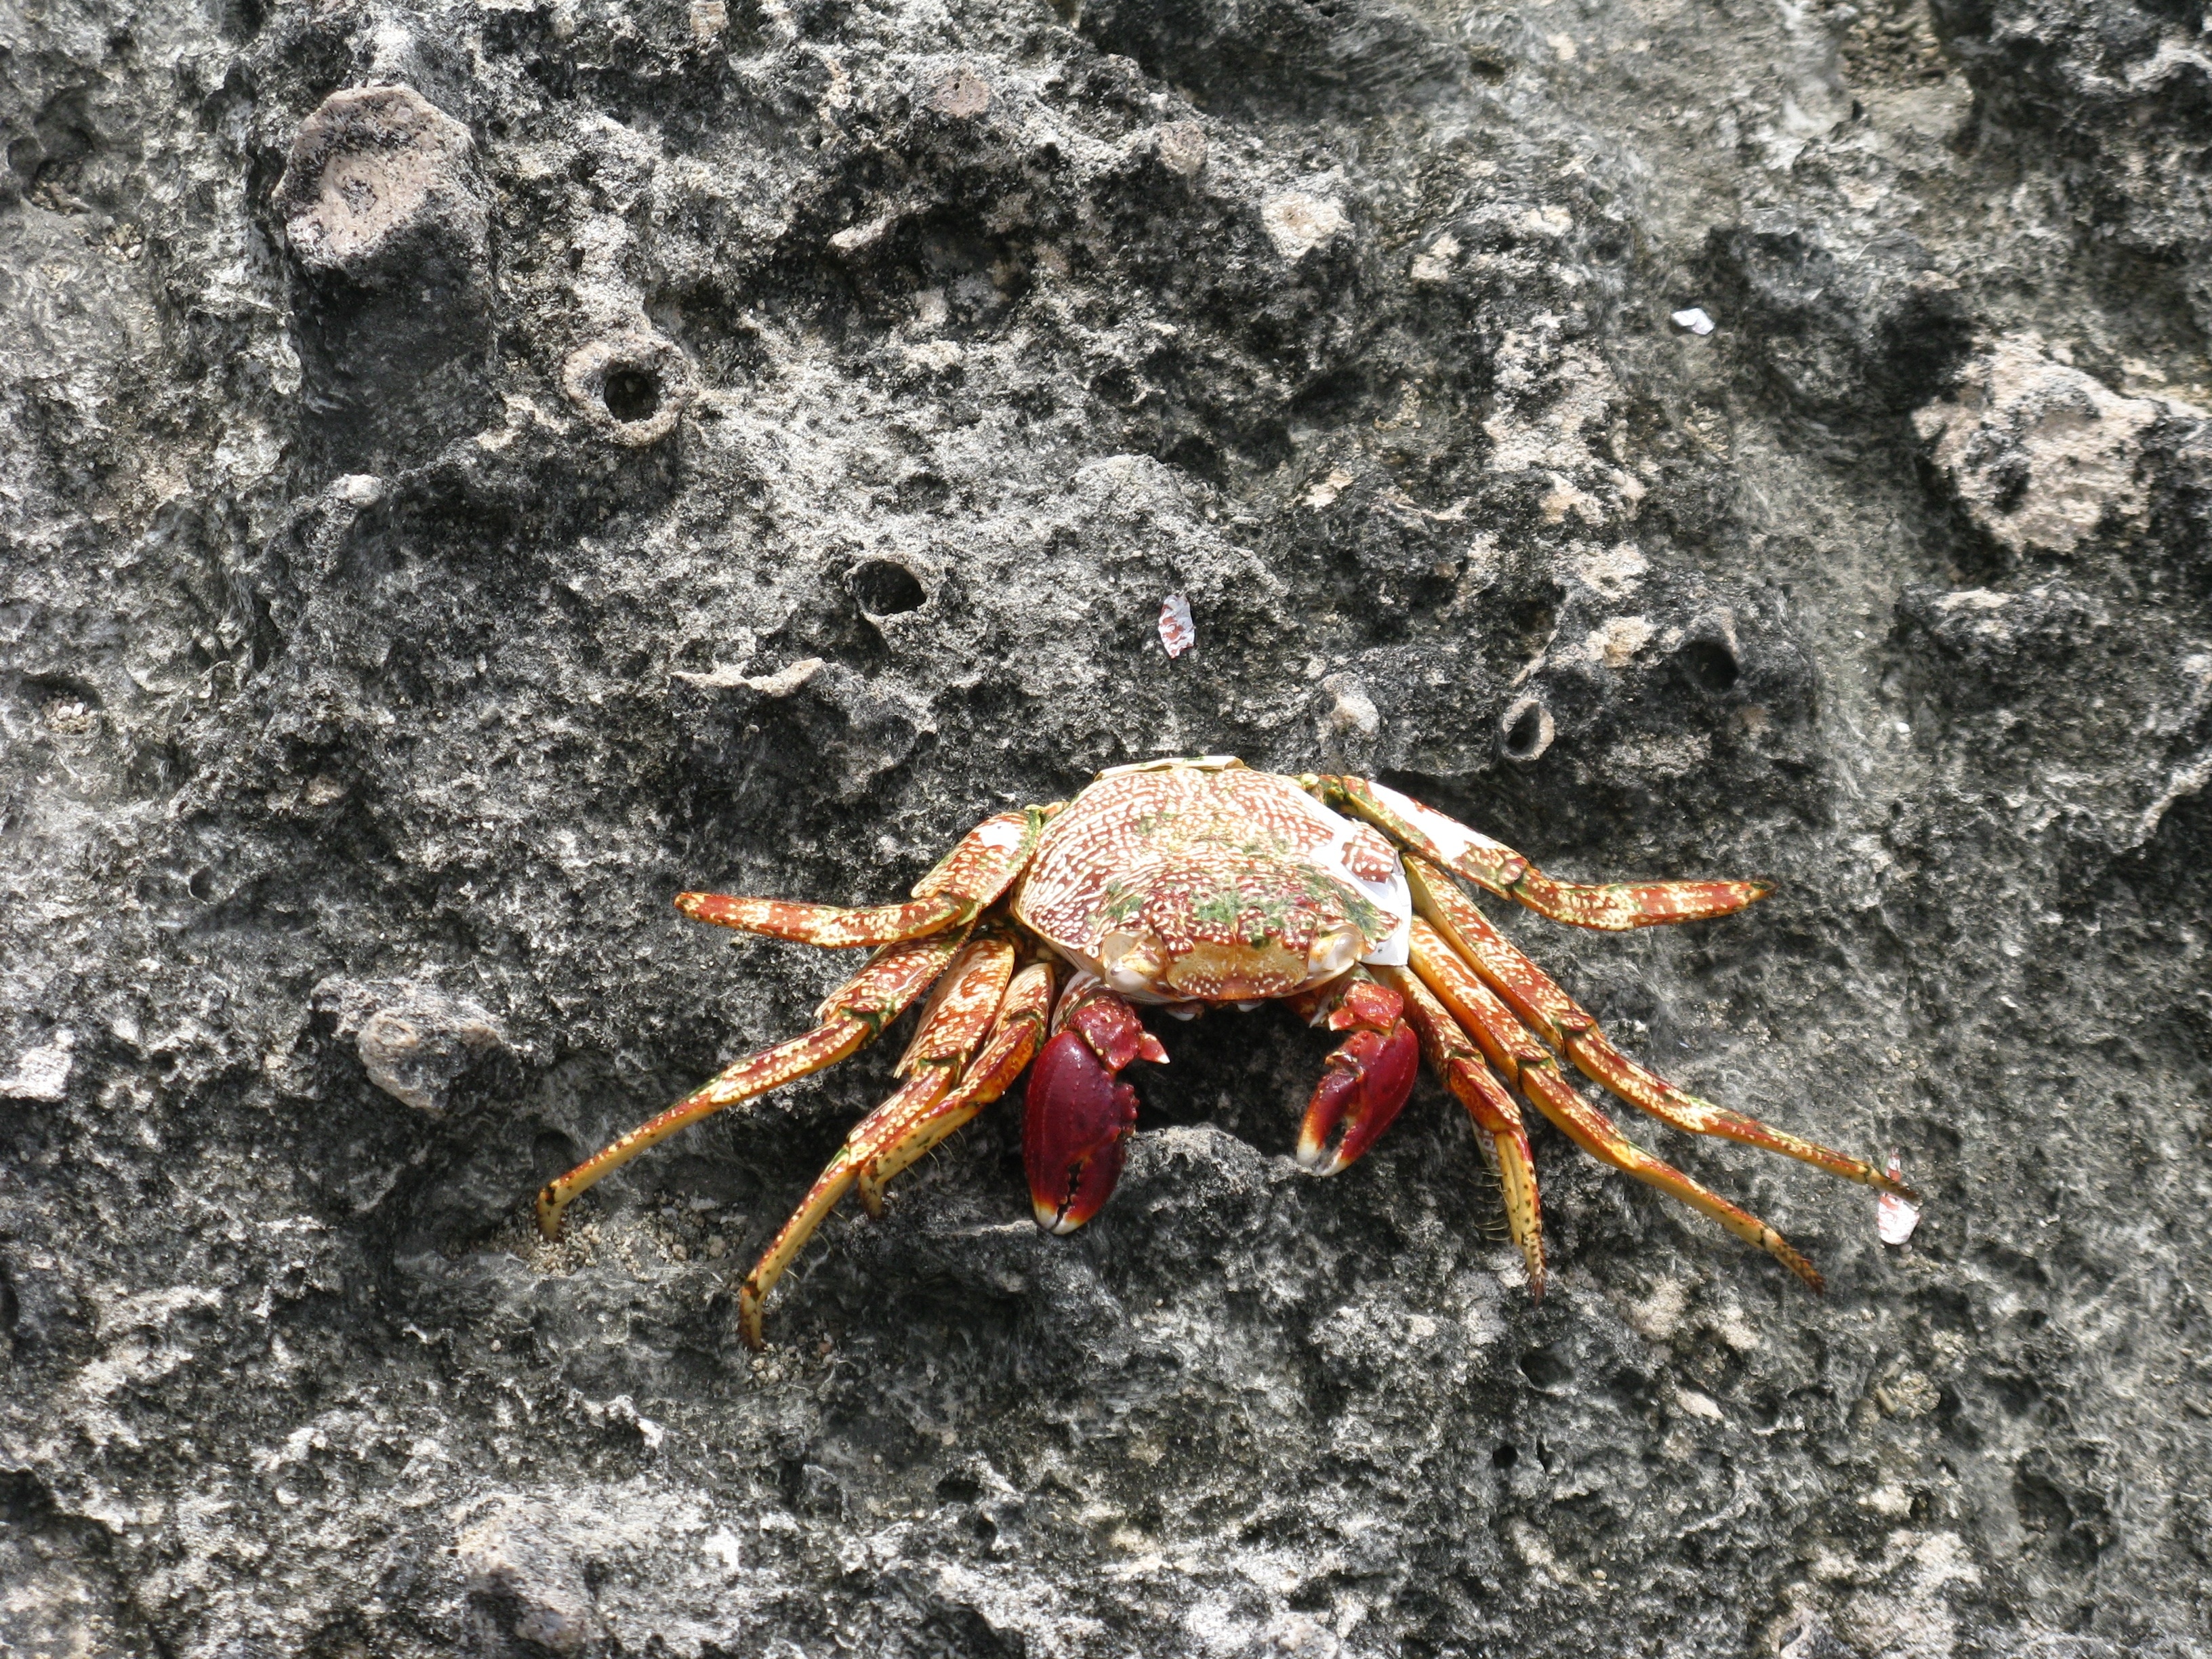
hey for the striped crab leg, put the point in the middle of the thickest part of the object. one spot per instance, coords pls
(1498, 868)
(964, 1007)
(1446, 1044)
(1485, 1016)
(965, 882)
(919, 940)
(1013, 1043)
(848, 1019)
(1565, 1024)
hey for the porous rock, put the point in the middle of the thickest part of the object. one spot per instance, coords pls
(759, 447)
(385, 221)
(378, 178)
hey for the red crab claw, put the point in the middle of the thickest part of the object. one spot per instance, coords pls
(1079, 1120)
(1367, 1080)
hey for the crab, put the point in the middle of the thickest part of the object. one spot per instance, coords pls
(1190, 883)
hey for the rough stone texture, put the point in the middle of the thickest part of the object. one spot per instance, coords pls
(763, 454)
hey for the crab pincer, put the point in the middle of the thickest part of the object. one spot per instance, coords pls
(1079, 1114)
(1366, 1081)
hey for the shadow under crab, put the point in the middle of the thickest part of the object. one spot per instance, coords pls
(1185, 884)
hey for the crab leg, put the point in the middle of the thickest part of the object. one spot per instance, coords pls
(1486, 1017)
(1593, 1132)
(851, 1015)
(968, 878)
(958, 1014)
(1013, 1043)
(1496, 1119)
(1494, 865)
(1565, 1024)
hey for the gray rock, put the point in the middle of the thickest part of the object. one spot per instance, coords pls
(385, 218)
(476, 471)
(415, 1043)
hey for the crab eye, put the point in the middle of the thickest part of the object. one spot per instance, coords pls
(1130, 962)
(1334, 950)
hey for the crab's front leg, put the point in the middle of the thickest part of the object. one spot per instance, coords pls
(1366, 1080)
(966, 881)
(1079, 1114)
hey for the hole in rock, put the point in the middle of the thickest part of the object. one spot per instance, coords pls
(630, 394)
(958, 1487)
(1548, 1367)
(1526, 730)
(1711, 663)
(201, 885)
(1505, 1457)
(885, 588)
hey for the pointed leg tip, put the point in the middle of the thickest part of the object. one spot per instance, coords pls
(748, 1319)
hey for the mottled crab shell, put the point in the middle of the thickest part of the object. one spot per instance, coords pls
(1204, 881)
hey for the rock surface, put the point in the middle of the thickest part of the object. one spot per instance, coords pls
(746, 443)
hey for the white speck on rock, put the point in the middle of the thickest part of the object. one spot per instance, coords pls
(1352, 709)
(1434, 263)
(960, 92)
(1612, 570)
(1325, 493)
(41, 1073)
(724, 1547)
(1616, 644)
(1895, 1217)
(1297, 223)
(1693, 320)
(1694, 1404)
(1181, 147)
(1178, 633)
(784, 681)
